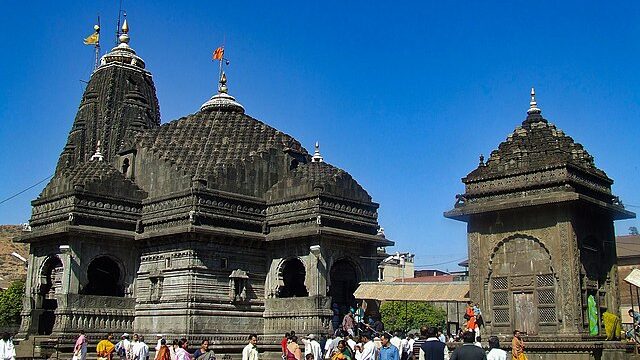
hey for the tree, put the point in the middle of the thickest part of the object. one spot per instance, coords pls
(11, 304)
(410, 315)
(633, 230)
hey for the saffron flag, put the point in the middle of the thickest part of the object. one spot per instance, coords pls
(218, 54)
(92, 39)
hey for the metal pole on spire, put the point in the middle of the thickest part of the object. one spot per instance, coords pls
(97, 46)
(120, 14)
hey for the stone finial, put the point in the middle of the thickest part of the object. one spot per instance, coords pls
(533, 105)
(98, 154)
(317, 157)
(481, 160)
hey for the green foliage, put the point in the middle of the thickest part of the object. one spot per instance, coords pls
(11, 303)
(401, 315)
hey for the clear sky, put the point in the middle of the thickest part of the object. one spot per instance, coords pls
(403, 95)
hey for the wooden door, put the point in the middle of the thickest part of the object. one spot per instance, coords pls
(524, 313)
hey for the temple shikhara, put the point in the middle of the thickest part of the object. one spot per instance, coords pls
(212, 226)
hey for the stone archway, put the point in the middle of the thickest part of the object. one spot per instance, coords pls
(292, 273)
(105, 278)
(50, 285)
(344, 279)
(522, 287)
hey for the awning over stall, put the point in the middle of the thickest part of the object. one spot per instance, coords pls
(429, 292)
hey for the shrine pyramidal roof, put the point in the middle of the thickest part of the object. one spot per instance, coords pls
(535, 145)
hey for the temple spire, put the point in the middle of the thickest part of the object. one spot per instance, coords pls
(533, 104)
(317, 157)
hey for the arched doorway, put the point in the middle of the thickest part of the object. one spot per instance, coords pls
(104, 278)
(344, 282)
(50, 286)
(292, 274)
(522, 287)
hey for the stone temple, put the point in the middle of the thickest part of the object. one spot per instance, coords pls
(541, 240)
(213, 226)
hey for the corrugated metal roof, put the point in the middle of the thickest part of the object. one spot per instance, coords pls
(451, 291)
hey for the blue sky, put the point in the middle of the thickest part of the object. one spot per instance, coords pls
(404, 96)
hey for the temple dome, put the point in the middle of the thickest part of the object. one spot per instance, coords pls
(318, 177)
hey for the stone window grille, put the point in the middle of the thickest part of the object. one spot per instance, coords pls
(238, 285)
(500, 291)
(546, 299)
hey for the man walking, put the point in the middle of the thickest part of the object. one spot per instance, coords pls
(388, 351)
(468, 350)
(433, 348)
(366, 351)
(311, 346)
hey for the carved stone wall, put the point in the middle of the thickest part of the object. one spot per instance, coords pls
(548, 229)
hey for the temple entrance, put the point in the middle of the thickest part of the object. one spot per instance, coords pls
(522, 287)
(50, 286)
(104, 278)
(292, 274)
(524, 313)
(344, 281)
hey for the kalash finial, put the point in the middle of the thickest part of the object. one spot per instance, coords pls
(533, 105)
(222, 87)
(124, 37)
(317, 157)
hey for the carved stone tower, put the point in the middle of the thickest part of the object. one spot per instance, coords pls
(541, 240)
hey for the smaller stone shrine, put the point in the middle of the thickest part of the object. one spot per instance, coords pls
(541, 240)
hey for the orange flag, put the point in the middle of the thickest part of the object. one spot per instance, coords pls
(218, 54)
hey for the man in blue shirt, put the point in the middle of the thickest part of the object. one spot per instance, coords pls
(388, 351)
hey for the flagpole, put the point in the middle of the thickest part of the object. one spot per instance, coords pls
(97, 48)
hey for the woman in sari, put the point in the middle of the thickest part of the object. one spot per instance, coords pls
(342, 352)
(517, 347)
(293, 350)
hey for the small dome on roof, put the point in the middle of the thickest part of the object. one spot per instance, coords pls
(318, 177)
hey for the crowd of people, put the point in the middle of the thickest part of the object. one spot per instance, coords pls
(431, 345)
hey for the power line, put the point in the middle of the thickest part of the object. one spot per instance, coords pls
(27, 189)
(442, 263)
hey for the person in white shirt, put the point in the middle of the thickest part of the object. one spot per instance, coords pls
(311, 346)
(7, 350)
(123, 347)
(495, 353)
(351, 343)
(368, 350)
(405, 349)
(478, 342)
(412, 341)
(397, 342)
(250, 352)
(141, 351)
